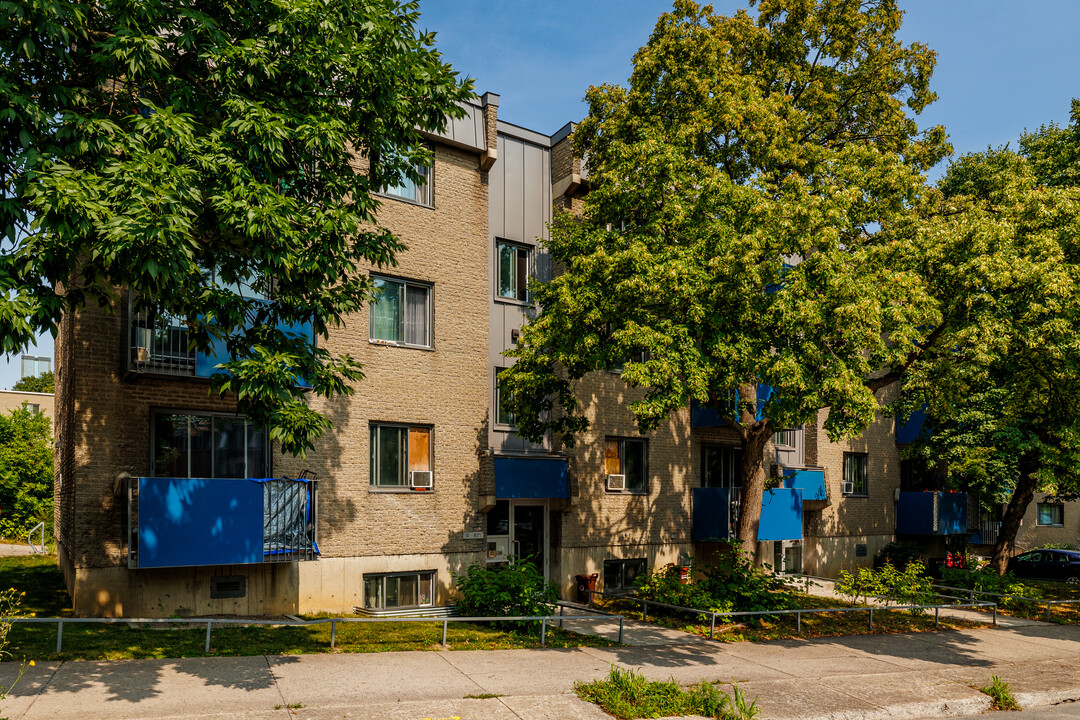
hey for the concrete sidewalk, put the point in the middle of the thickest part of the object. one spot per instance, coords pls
(866, 676)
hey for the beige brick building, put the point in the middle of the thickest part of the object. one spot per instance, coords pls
(423, 474)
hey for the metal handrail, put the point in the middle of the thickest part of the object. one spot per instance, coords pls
(36, 549)
(798, 612)
(210, 622)
(1049, 603)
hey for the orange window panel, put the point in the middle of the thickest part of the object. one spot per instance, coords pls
(419, 449)
(611, 457)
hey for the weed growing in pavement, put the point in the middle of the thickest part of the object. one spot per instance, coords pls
(1000, 692)
(627, 695)
(483, 696)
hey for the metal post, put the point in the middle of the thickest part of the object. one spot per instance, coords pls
(798, 622)
(995, 614)
(333, 633)
(936, 611)
(543, 631)
(59, 635)
(444, 623)
(644, 610)
(1048, 610)
(712, 626)
(620, 629)
(562, 611)
(871, 626)
(208, 624)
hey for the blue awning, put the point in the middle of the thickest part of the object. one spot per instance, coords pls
(532, 478)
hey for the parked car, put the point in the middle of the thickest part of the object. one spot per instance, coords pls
(1047, 565)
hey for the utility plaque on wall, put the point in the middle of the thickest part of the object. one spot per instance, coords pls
(473, 535)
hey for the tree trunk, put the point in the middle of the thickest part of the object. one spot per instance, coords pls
(752, 480)
(1014, 513)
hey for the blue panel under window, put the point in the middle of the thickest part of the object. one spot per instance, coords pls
(811, 482)
(712, 513)
(206, 365)
(195, 521)
(909, 432)
(702, 416)
(781, 515)
(531, 478)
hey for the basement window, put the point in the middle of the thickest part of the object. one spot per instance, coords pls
(399, 590)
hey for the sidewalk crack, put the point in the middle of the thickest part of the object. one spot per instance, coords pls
(44, 687)
(281, 694)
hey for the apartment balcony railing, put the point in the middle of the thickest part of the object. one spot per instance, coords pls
(987, 534)
(716, 514)
(186, 522)
(932, 513)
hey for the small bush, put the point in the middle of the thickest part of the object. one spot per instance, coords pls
(515, 587)
(736, 582)
(627, 695)
(1000, 692)
(910, 586)
(898, 554)
(1012, 591)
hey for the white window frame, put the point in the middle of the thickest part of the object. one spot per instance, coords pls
(780, 438)
(521, 296)
(429, 288)
(375, 460)
(849, 477)
(432, 577)
(1060, 514)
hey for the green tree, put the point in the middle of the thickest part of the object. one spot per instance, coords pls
(743, 189)
(203, 155)
(26, 472)
(43, 383)
(1001, 392)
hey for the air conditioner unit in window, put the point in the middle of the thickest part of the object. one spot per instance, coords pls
(896, 495)
(847, 488)
(420, 479)
(616, 482)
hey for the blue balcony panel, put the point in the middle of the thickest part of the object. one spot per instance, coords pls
(532, 477)
(810, 481)
(781, 515)
(702, 416)
(715, 514)
(910, 431)
(206, 365)
(932, 513)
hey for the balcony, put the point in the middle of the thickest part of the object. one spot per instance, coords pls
(716, 514)
(188, 522)
(810, 480)
(931, 513)
(158, 344)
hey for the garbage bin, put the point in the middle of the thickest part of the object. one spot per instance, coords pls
(684, 574)
(586, 586)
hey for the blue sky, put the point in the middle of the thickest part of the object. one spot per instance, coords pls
(1003, 65)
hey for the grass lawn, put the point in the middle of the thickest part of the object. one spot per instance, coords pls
(39, 577)
(778, 627)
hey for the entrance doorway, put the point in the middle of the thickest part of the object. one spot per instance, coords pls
(519, 528)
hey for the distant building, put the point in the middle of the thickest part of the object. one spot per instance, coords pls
(34, 365)
(33, 401)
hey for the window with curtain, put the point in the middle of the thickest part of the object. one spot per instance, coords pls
(397, 450)
(413, 191)
(401, 313)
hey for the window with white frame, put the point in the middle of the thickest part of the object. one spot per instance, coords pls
(855, 474)
(627, 457)
(412, 190)
(208, 445)
(401, 456)
(502, 416)
(1051, 514)
(399, 590)
(515, 266)
(401, 312)
(720, 466)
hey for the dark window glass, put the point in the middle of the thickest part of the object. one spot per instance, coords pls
(721, 466)
(634, 464)
(208, 446)
(619, 575)
(1051, 514)
(855, 472)
(498, 518)
(399, 590)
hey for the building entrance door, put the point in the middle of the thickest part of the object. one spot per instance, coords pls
(529, 532)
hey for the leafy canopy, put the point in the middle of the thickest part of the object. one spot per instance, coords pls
(26, 472)
(43, 383)
(199, 154)
(739, 189)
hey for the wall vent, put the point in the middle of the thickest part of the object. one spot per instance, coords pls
(228, 586)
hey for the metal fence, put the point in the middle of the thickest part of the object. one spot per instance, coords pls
(333, 622)
(1038, 601)
(798, 612)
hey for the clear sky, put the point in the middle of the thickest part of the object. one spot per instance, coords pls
(1003, 65)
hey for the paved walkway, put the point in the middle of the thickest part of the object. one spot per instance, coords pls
(868, 677)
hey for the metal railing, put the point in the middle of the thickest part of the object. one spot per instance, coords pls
(988, 532)
(1038, 601)
(333, 622)
(38, 549)
(799, 612)
(158, 343)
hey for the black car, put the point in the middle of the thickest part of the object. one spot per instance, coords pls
(1047, 565)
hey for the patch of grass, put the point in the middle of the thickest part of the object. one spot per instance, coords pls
(39, 577)
(627, 695)
(292, 706)
(1000, 692)
(483, 696)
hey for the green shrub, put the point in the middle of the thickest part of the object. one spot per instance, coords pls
(1014, 594)
(1000, 692)
(898, 554)
(740, 585)
(664, 586)
(910, 586)
(515, 587)
(627, 695)
(26, 472)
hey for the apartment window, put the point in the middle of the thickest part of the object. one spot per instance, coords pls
(720, 466)
(401, 456)
(1051, 514)
(855, 474)
(33, 365)
(502, 417)
(785, 439)
(399, 590)
(627, 457)
(34, 408)
(619, 575)
(205, 445)
(417, 192)
(515, 262)
(401, 313)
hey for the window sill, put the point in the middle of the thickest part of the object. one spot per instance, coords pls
(511, 301)
(392, 344)
(407, 201)
(856, 495)
(504, 428)
(399, 491)
(1049, 526)
(627, 492)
